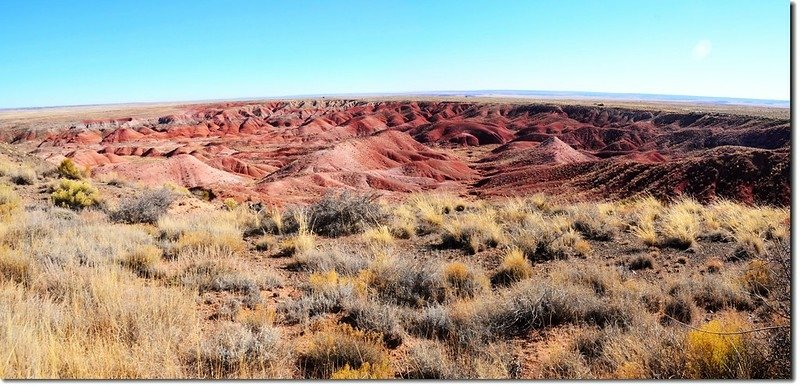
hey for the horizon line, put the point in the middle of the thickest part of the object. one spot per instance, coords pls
(498, 93)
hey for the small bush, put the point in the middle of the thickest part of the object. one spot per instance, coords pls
(9, 200)
(234, 350)
(75, 194)
(145, 209)
(343, 263)
(714, 356)
(757, 278)
(301, 243)
(344, 214)
(143, 260)
(230, 203)
(515, 267)
(366, 371)
(473, 233)
(23, 176)
(679, 308)
(463, 281)
(641, 262)
(333, 349)
(375, 317)
(379, 236)
(68, 169)
(15, 267)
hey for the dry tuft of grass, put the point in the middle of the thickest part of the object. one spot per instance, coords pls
(23, 175)
(143, 261)
(473, 232)
(301, 243)
(379, 236)
(9, 201)
(462, 281)
(331, 350)
(515, 267)
(240, 351)
(201, 236)
(681, 225)
(714, 356)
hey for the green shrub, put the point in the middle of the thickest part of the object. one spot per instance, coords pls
(75, 194)
(68, 169)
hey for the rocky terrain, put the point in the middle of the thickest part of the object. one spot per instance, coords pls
(283, 151)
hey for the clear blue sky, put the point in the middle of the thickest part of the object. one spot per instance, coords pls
(83, 52)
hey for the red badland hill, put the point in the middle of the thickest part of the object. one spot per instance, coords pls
(283, 151)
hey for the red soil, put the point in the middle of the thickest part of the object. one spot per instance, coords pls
(295, 150)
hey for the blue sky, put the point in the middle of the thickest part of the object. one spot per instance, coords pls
(84, 52)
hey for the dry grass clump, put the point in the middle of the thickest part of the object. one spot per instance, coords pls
(23, 175)
(406, 282)
(343, 263)
(564, 363)
(68, 169)
(144, 209)
(640, 263)
(599, 279)
(301, 243)
(433, 360)
(594, 221)
(681, 225)
(432, 208)
(716, 293)
(60, 237)
(95, 323)
(544, 238)
(332, 349)
(264, 243)
(373, 316)
(9, 201)
(143, 261)
(201, 236)
(524, 307)
(379, 236)
(344, 214)
(403, 223)
(473, 232)
(324, 292)
(214, 275)
(230, 203)
(715, 356)
(14, 267)
(515, 267)
(75, 194)
(757, 278)
(679, 307)
(462, 281)
(233, 350)
(714, 265)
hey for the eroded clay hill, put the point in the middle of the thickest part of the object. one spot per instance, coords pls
(296, 150)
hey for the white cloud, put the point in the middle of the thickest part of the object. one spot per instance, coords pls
(702, 49)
